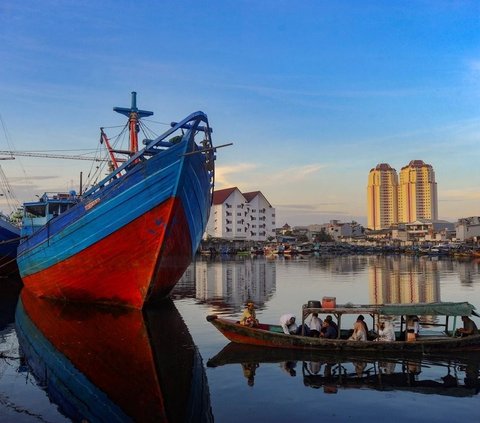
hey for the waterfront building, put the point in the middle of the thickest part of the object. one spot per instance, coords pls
(417, 193)
(261, 217)
(468, 229)
(425, 230)
(238, 216)
(382, 197)
(338, 230)
(285, 229)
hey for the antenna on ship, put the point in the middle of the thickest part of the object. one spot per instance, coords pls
(134, 115)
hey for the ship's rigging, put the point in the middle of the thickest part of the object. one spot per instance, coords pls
(115, 150)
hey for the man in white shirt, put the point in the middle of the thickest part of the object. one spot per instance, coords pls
(287, 321)
(315, 325)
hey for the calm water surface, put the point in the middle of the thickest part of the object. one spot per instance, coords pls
(169, 364)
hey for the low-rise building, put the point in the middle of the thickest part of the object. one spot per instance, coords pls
(425, 230)
(468, 229)
(337, 229)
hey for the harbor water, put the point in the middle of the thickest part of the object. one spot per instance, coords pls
(61, 363)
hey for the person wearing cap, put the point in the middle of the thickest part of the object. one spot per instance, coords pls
(287, 322)
(249, 317)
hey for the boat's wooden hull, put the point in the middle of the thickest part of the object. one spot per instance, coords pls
(270, 336)
(93, 275)
(129, 242)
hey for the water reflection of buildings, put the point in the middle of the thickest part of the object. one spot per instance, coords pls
(400, 279)
(229, 281)
(467, 271)
(343, 265)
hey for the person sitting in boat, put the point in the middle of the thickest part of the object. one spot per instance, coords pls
(469, 327)
(359, 330)
(249, 317)
(386, 332)
(329, 329)
(413, 325)
(328, 319)
(287, 322)
(315, 325)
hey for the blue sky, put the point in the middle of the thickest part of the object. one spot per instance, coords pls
(313, 94)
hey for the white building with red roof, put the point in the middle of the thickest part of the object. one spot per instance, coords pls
(241, 216)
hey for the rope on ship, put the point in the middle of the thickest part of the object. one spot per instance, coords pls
(8, 241)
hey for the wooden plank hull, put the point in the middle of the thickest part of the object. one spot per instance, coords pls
(129, 242)
(96, 276)
(270, 336)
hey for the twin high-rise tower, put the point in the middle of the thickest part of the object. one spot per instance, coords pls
(390, 201)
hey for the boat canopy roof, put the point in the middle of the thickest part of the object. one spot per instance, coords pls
(428, 309)
(425, 309)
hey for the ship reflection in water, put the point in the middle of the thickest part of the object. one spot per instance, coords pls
(114, 365)
(452, 376)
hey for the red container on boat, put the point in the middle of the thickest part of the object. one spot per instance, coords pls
(329, 302)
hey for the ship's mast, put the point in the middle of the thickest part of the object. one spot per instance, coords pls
(134, 115)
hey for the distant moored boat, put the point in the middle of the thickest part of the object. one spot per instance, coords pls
(9, 239)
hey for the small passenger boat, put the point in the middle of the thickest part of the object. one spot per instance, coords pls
(428, 341)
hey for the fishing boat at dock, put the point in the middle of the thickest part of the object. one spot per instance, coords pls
(128, 239)
(432, 341)
(9, 240)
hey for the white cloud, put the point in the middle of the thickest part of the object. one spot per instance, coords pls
(252, 176)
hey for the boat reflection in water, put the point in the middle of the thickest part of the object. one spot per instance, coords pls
(449, 375)
(114, 365)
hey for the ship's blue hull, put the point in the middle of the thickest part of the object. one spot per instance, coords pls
(128, 241)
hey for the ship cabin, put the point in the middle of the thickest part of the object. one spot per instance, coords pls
(50, 205)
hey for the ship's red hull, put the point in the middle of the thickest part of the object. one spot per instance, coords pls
(158, 248)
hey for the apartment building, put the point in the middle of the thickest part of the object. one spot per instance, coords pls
(417, 193)
(240, 216)
(405, 199)
(382, 197)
